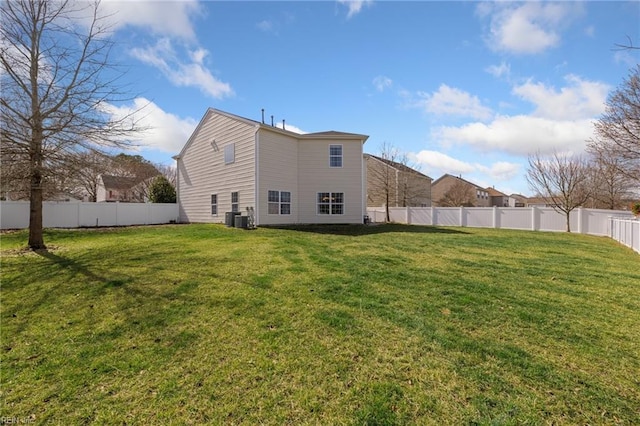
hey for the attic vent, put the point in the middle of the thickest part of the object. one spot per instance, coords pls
(214, 145)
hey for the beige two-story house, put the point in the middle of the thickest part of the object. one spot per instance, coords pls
(454, 191)
(235, 164)
(393, 184)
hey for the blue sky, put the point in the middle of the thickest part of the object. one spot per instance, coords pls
(467, 88)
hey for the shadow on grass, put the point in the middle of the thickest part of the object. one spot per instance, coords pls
(73, 266)
(359, 230)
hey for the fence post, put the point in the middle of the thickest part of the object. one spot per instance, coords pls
(580, 221)
(462, 218)
(433, 216)
(408, 215)
(534, 218)
(495, 216)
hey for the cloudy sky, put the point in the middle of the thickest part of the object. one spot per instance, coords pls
(467, 88)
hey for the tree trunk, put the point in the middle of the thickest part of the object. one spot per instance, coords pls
(568, 221)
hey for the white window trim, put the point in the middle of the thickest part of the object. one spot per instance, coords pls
(330, 204)
(335, 156)
(279, 203)
(214, 204)
(230, 153)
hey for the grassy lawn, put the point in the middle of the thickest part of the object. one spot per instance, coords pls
(392, 324)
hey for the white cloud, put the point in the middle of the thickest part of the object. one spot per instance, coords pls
(381, 83)
(165, 131)
(193, 73)
(355, 6)
(168, 18)
(290, 128)
(451, 101)
(529, 27)
(519, 135)
(265, 25)
(502, 70)
(441, 163)
(578, 100)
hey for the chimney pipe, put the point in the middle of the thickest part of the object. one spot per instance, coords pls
(272, 121)
(262, 115)
(283, 124)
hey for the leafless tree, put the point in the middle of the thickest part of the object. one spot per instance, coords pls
(458, 195)
(169, 172)
(564, 182)
(57, 88)
(611, 188)
(618, 130)
(382, 177)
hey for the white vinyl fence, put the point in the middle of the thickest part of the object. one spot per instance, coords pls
(626, 231)
(619, 225)
(15, 214)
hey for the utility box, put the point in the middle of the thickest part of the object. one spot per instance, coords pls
(242, 222)
(229, 218)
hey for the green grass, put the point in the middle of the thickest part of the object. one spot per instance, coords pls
(380, 325)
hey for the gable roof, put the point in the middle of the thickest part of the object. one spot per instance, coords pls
(458, 178)
(331, 134)
(398, 166)
(119, 182)
(495, 193)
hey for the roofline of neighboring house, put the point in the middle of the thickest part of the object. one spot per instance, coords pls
(258, 125)
(496, 193)
(459, 178)
(398, 166)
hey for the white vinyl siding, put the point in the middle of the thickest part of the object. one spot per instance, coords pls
(318, 176)
(278, 168)
(202, 170)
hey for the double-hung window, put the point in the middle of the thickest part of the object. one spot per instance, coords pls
(330, 203)
(279, 202)
(335, 155)
(214, 204)
(235, 207)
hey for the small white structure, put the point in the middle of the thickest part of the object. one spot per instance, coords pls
(231, 164)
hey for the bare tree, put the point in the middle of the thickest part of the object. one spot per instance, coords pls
(458, 195)
(618, 130)
(382, 177)
(564, 182)
(88, 166)
(612, 189)
(56, 90)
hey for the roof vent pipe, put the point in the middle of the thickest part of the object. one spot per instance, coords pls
(283, 124)
(262, 115)
(272, 121)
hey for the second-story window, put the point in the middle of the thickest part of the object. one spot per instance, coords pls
(335, 155)
(230, 153)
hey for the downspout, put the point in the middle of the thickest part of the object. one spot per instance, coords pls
(256, 209)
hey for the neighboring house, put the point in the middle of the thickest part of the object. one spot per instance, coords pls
(231, 163)
(453, 191)
(537, 202)
(119, 188)
(517, 200)
(499, 199)
(400, 184)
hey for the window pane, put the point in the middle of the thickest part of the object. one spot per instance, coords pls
(323, 209)
(214, 198)
(285, 209)
(273, 208)
(338, 197)
(336, 209)
(234, 197)
(285, 197)
(335, 162)
(323, 197)
(229, 153)
(214, 209)
(273, 196)
(335, 149)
